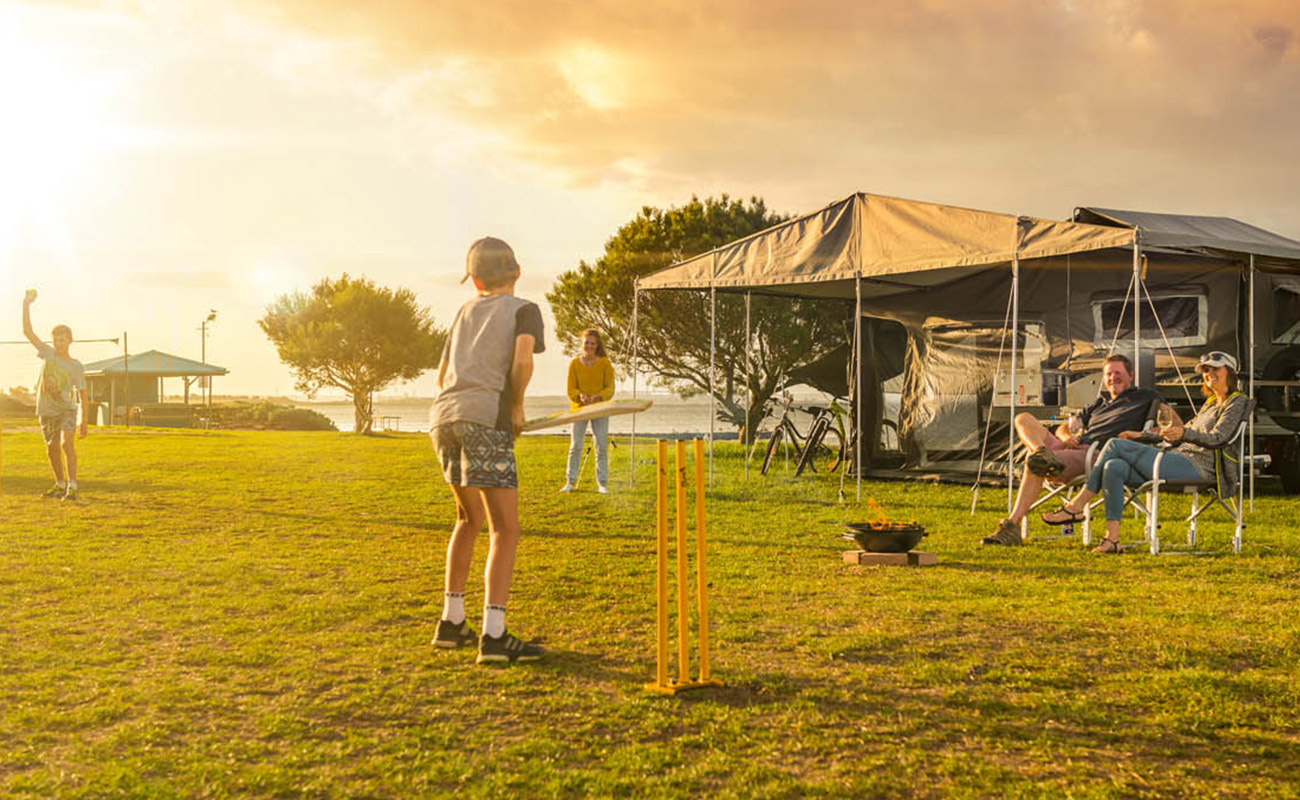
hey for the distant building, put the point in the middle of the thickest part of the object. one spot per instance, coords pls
(137, 381)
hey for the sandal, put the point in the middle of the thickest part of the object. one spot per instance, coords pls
(1069, 517)
(1108, 546)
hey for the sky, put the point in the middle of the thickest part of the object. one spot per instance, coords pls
(160, 159)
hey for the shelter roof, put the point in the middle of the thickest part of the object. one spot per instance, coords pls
(895, 245)
(153, 362)
(1218, 235)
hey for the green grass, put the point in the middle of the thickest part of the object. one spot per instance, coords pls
(249, 614)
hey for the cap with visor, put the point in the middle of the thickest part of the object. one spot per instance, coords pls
(491, 261)
(1216, 358)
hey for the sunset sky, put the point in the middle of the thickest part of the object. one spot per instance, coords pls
(159, 159)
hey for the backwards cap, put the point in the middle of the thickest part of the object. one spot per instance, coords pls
(491, 261)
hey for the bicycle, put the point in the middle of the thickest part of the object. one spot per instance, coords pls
(821, 447)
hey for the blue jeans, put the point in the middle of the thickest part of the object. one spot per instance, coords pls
(1125, 463)
(599, 432)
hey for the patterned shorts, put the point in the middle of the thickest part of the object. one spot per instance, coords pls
(475, 455)
(51, 426)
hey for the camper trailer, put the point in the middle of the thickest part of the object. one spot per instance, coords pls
(970, 317)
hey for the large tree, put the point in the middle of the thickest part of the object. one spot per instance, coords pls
(353, 335)
(789, 336)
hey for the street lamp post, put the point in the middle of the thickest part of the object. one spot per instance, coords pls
(203, 356)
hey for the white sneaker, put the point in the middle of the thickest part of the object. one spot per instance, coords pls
(568, 487)
(602, 488)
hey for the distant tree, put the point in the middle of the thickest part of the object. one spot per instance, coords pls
(790, 336)
(23, 393)
(355, 336)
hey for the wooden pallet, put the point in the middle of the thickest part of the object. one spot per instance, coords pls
(913, 558)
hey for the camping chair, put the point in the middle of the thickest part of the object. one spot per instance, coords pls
(1065, 491)
(1233, 505)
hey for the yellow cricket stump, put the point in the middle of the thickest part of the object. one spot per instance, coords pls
(683, 681)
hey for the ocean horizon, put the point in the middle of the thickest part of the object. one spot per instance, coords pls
(669, 414)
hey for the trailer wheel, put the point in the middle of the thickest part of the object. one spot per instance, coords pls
(1285, 366)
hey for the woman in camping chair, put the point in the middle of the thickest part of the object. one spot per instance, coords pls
(1128, 459)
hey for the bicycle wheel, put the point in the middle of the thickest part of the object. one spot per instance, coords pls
(773, 445)
(811, 448)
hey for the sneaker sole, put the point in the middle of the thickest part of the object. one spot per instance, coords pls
(446, 645)
(495, 659)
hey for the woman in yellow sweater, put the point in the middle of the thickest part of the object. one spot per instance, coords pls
(591, 380)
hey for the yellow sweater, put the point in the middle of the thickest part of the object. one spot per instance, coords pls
(598, 379)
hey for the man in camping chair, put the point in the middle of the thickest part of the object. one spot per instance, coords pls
(1060, 456)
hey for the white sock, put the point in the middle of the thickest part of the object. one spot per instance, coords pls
(61, 484)
(453, 607)
(72, 485)
(494, 621)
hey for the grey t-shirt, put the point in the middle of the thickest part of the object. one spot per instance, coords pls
(479, 353)
(58, 383)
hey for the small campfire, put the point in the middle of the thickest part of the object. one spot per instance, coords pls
(881, 535)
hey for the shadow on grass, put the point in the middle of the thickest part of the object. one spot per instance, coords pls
(34, 487)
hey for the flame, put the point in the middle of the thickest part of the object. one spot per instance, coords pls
(875, 513)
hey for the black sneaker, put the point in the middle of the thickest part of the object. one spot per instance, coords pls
(1008, 533)
(451, 636)
(71, 494)
(507, 648)
(55, 491)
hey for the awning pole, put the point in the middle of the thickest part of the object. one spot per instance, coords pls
(1011, 394)
(631, 444)
(713, 346)
(1137, 311)
(749, 390)
(857, 379)
(1250, 305)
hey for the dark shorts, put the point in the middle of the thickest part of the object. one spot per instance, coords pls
(51, 426)
(475, 455)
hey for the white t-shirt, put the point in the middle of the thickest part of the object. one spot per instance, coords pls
(59, 382)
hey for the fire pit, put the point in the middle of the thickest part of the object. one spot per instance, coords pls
(885, 537)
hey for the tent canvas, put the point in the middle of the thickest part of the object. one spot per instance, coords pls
(955, 279)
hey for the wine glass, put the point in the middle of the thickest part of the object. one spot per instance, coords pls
(1074, 425)
(1164, 418)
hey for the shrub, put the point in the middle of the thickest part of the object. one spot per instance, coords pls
(262, 415)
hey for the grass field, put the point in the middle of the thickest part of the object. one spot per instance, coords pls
(249, 615)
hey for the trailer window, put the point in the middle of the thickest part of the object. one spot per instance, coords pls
(1182, 315)
(1286, 315)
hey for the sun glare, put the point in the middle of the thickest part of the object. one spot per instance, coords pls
(54, 126)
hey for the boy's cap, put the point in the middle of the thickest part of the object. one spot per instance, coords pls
(490, 260)
(1216, 358)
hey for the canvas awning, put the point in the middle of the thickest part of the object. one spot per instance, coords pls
(1210, 235)
(895, 245)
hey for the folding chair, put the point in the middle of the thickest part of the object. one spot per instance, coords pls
(1066, 492)
(1233, 505)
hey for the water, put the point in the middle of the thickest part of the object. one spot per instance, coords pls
(669, 414)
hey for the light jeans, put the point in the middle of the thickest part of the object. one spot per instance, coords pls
(599, 432)
(1127, 463)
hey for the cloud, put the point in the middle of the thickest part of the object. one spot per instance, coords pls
(682, 88)
(677, 96)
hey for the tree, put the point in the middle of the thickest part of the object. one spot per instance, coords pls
(353, 335)
(789, 335)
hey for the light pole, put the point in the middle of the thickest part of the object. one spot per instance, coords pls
(203, 356)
